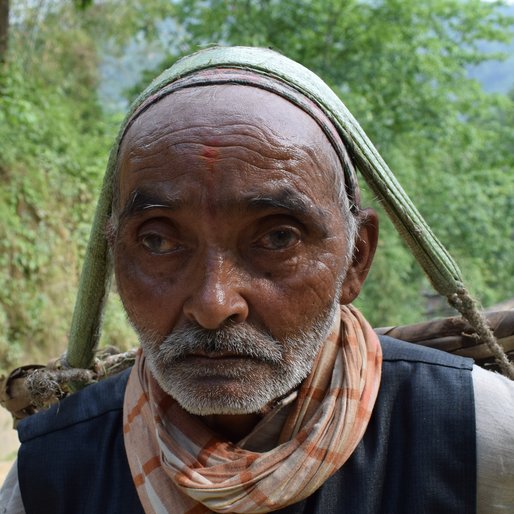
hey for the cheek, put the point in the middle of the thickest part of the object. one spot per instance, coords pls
(296, 301)
(145, 296)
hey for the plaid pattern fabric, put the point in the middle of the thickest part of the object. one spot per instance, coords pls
(179, 465)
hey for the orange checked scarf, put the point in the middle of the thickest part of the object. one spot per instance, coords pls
(179, 465)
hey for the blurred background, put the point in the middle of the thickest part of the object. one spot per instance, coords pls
(431, 82)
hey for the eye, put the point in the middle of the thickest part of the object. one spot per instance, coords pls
(158, 244)
(279, 239)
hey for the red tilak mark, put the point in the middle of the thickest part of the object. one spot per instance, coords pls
(210, 154)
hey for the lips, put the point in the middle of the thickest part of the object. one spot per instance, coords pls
(218, 355)
(219, 363)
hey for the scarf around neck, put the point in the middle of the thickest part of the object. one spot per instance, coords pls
(180, 465)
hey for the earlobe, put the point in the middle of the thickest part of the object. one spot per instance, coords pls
(365, 246)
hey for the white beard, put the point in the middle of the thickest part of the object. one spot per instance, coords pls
(260, 368)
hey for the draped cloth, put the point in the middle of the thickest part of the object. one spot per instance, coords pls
(180, 465)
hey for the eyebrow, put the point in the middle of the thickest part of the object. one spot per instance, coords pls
(285, 199)
(140, 201)
(295, 203)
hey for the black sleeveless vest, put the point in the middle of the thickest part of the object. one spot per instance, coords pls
(418, 455)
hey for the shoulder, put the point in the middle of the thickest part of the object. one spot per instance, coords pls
(418, 451)
(427, 385)
(90, 403)
(395, 350)
(77, 451)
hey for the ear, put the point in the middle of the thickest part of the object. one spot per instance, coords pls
(365, 246)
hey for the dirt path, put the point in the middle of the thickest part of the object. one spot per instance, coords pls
(8, 443)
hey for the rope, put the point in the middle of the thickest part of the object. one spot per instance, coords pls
(469, 308)
(56, 381)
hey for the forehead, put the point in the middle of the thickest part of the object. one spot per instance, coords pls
(220, 104)
(248, 129)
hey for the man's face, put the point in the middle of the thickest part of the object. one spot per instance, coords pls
(230, 252)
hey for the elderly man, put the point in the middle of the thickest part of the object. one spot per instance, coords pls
(239, 243)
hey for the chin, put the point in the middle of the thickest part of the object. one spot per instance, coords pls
(200, 407)
(244, 390)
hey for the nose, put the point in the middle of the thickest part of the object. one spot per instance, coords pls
(218, 297)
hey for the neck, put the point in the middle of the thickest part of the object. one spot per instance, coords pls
(232, 426)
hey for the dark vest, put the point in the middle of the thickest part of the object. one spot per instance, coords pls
(418, 454)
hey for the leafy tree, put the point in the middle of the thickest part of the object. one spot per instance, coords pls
(54, 142)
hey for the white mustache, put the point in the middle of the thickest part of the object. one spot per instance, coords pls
(236, 340)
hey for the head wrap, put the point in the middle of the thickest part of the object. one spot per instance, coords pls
(242, 77)
(292, 80)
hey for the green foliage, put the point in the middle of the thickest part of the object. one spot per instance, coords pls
(53, 147)
(83, 4)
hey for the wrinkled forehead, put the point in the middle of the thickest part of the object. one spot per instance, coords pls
(240, 95)
(205, 112)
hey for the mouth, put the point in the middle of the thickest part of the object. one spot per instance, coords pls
(220, 365)
(210, 356)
